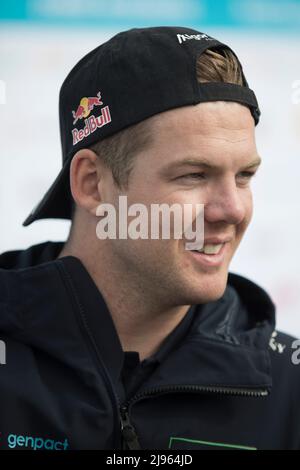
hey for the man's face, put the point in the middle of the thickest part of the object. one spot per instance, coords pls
(222, 135)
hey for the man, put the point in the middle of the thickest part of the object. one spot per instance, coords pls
(140, 343)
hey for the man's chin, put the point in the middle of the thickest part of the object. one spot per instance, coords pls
(209, 290)
(213, 296)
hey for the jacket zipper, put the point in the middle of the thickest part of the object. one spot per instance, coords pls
(129, 434)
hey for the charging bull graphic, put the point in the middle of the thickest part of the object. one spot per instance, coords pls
(86, 105)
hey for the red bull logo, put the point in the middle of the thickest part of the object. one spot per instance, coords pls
(92, 122)
(85, 107)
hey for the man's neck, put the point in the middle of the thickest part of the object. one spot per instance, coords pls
(141, 322)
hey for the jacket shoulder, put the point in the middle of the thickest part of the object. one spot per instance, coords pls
(281, 342)
(11, 317)
(285, 357)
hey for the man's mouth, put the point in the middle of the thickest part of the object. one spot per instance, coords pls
(211, 255)
(210, 249)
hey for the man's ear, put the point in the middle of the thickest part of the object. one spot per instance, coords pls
(85, 175)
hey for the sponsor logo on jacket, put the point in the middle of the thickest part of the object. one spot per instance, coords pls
(15, 441)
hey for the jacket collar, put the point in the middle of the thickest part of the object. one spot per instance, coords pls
(226, 346)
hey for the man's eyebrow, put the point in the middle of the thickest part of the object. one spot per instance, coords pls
(255, 162)
(204, 163)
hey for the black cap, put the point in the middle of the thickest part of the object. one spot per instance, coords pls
(134, 75)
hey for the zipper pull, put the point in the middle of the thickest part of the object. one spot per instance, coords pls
(128, 431)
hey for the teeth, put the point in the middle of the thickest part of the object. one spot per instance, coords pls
(211, 249)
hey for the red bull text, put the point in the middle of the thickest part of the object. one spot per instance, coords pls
(91, 123)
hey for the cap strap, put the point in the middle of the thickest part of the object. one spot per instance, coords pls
(214, 91)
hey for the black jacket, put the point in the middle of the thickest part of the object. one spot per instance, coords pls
(230, 383)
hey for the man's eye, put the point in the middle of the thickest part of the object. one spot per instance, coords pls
(247, 174)
(192, 175)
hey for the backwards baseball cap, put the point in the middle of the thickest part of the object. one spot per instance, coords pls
(135, 75)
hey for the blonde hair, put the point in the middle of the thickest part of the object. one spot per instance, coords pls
(219, 65)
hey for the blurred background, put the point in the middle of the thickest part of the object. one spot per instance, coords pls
(41, 40)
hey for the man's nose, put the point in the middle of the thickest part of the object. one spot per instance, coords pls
(226, 203)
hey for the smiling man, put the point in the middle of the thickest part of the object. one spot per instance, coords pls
(130, 343)
(202, 153)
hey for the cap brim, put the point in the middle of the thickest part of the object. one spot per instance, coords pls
(57, 202)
